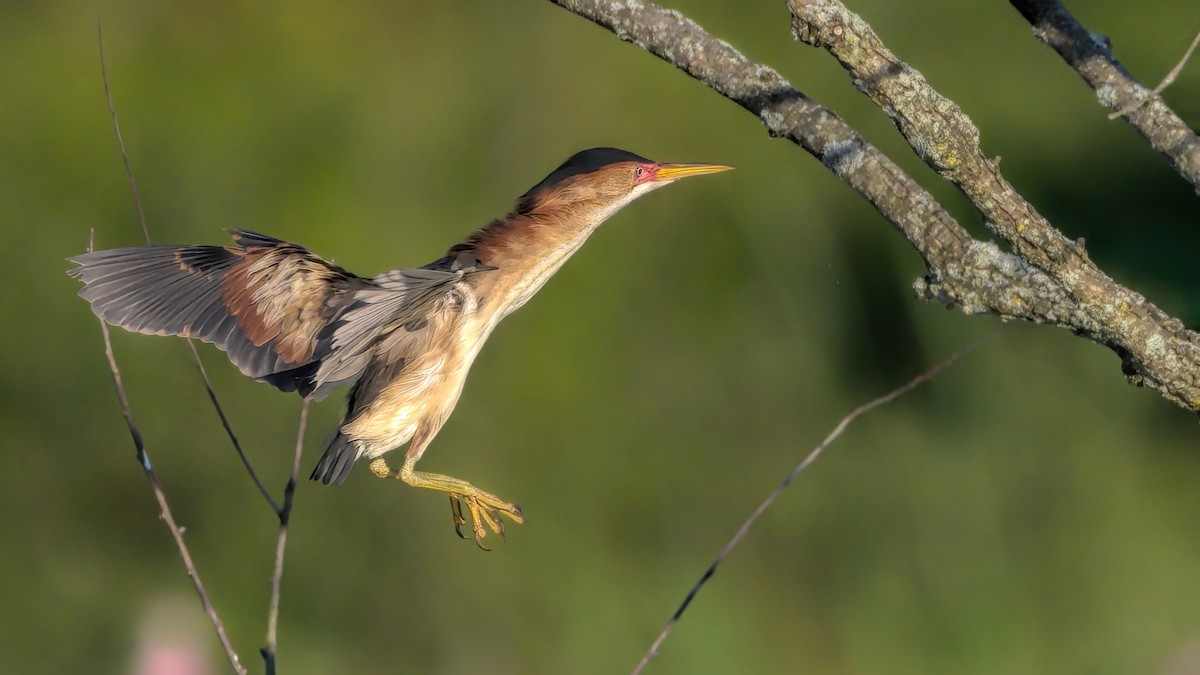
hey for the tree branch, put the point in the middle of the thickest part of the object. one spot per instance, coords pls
(237, 445)
(164, 509)
(285, 515)
(1091, 56)
(974, 276)
(1051, 280)
(1156, 349)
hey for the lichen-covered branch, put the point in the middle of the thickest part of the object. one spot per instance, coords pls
(1091, 56)
(1156, 350)
(976, 278)
(1050, 280)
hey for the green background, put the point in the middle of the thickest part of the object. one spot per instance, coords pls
(1026, 512)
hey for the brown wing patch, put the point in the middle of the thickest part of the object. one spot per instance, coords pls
(264, 303)
(281, 295)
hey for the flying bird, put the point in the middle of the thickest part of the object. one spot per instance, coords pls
(404, 339)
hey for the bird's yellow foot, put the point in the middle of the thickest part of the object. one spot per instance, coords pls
(485, 508)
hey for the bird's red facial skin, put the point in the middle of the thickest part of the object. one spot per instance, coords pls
(647, 173)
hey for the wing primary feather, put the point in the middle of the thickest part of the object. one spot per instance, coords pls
(264, 302)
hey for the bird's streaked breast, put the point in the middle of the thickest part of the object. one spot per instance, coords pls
(424, 391)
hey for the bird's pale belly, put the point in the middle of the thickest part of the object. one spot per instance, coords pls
(416, 403)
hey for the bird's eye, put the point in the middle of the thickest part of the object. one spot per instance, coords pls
(638, 171)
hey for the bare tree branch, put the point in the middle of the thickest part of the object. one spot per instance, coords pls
(285, 514)
(976, 277)
(1091, 56)
(1050, 281)
(112, 113)
(212, 396)
(143, 459)
(1156, 349)
(796, 471)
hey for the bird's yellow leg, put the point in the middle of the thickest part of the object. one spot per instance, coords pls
(485, 507)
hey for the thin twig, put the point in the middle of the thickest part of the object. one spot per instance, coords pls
(212, 396)
(137, 199)
(1091, 55)
(143, 458)
(796, 471)
(285, 514)
(1167, 81)
(112, 111)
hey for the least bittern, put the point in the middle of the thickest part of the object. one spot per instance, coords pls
(405, 338)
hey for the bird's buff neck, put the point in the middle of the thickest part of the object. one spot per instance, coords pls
(529, 245)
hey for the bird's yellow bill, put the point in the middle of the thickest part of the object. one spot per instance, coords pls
(677, 171)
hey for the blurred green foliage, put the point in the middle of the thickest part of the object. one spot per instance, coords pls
(1027, 511)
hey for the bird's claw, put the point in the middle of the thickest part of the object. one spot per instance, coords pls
(485, 509)
(456, 514)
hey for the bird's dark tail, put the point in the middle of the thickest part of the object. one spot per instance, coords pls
(335, 464)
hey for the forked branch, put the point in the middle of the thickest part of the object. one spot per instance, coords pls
(1049, 280)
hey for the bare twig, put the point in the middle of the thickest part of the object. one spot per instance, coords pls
(112, 112)
(796, 471)
(1091, 56)
(143, 458)
(285, 514)
(1167, 80)
(212, 396)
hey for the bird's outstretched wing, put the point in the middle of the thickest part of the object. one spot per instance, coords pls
(264, 302)
(282, 314)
